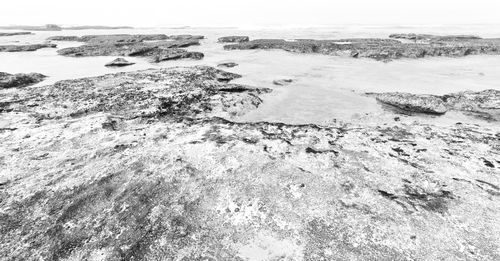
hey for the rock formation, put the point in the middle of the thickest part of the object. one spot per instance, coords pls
(14, 33)
(485, 104)
(155, 47)
(25, 48)
(234, 39)
(227, 65)
(379, 49)
(19, 80)
(140, 166)
(119, 62)
(282, 82)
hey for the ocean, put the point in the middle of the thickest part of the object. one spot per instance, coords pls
(324, 88)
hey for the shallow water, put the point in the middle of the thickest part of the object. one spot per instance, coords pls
(324, 87)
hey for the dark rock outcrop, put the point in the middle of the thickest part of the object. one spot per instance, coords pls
(19, 80)
(227, 65)
(64, 38)
(379, 49)
(282, 82)
(25, 48)
(152, 46)
(14, 33)
(233, 39)
(119, 62)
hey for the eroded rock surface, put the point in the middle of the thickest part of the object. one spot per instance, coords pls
(233, 39)
(282, 82)
(484, 104)
(379, 49)
(133, 166)
(8, 80)
(430, 37)
(25, 48)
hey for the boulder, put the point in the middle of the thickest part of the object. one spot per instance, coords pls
(227, 65)
(19, 80)
(119, 62)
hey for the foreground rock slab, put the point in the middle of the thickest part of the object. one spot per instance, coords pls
(484, 104)
(135, 166)
(119, 62)
(25, 48)
(379, 49)
(19, 80)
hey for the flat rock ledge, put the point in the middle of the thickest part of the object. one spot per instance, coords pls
(119, 62)
(135, 166)
(282, 82)
(25, 48)
(155, 47)
(379, 49)
(233, 39)
(484, 104)
(19, 80)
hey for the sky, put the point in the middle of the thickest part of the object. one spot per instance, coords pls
(145, 13)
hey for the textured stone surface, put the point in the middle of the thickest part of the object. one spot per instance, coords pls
(227, 65)
(135, 166)
(19, 80)
(414, 103)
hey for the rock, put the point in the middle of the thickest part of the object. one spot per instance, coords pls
(135, 45)
(484, 104)
(414, 103)
(64, 38)
(233, 39)
(186, 37)
(378, 49)
(48, 27)
(95, 27)
(25, 48)
(136, 166)
(14, 33)
(19, 80)
(119, 62)
(429, 37)
(178, 91)
(282, 82)
(227, 65)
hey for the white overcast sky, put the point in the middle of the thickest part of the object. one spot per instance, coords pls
(248, 12)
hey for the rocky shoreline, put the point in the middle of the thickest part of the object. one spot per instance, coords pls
(156, 164)
(25, 48)
(178, 178)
